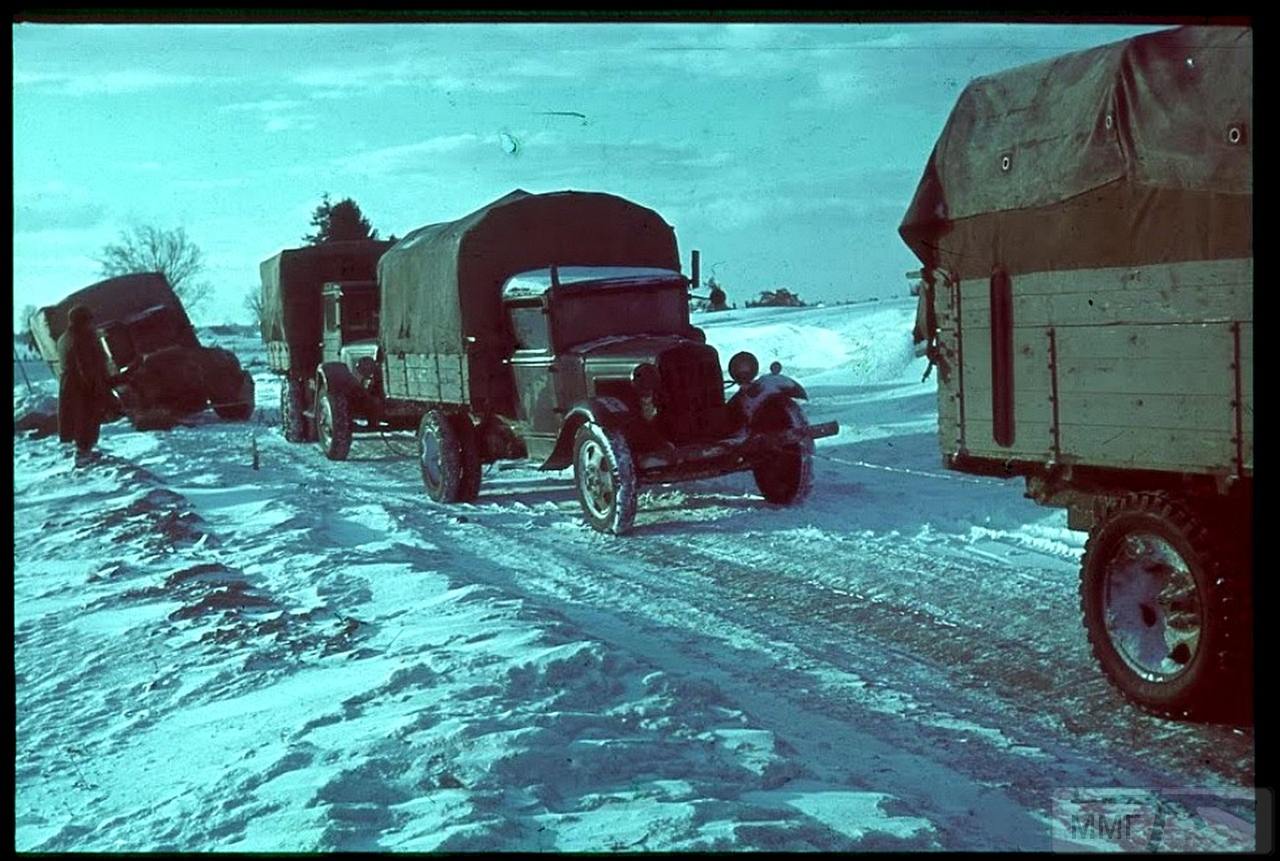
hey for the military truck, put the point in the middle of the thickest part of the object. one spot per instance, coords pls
(320, 316)
(556, 327)
(156, 362)
(1085, 228)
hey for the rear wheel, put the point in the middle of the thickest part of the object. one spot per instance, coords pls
(442, 456)
(785, 476)
(293, 424)
(1165, 599)
(241, 408)
(333, 424)
(605, 478)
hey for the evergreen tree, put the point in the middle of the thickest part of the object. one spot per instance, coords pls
(339, 222)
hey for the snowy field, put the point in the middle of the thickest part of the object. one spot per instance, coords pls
(312, 656)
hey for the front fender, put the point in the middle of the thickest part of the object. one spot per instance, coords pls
(605, 411)
(752, 397)
(337, 377)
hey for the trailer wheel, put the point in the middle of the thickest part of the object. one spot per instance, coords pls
(333, 425)
(785, 477)
(605, 478)
(1166, 600)
(441, 455)
(469, 485)
(240, 409)
(293, 424)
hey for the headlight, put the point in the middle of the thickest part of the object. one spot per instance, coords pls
(743, 368)
(645, 378)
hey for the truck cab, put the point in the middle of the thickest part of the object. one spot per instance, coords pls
(609, 332)
(350, 330)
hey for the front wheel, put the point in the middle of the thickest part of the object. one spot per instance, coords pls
(333, 426)
(241, 408)
(785, 477)
(1166, 607)
(605, 478)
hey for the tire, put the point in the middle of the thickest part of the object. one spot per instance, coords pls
(785, 477)
(333, 422)
(469, 486)
(605, 478)
(1166, 604)
(242, 408)
(293, 424)
(441, 456)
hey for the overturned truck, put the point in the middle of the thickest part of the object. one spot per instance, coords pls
(555, 327)
(157, 365)
(1085, 225)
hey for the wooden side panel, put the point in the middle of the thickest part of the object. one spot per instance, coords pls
(1196, 292)
(278, 356)
(433, 377)
(950, 431)
(1144, 372)
(1246, 390)
(1032, 406)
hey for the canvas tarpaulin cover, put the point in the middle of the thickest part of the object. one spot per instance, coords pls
(292, 281)
(1127, 154)
(441, 284)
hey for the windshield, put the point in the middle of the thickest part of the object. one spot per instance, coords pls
(360, 315)
(159, 329)
(593, 314)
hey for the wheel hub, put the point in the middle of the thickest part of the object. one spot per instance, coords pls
(1151, 607)
(432, 468)
(595, 479)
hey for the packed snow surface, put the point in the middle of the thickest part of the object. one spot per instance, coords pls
(223, 641)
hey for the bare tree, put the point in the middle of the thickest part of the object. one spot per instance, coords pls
(145, 248)
(253, 302)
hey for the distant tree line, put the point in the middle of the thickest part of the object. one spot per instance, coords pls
(780, 298)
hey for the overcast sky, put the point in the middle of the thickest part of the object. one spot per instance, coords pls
(787, 153)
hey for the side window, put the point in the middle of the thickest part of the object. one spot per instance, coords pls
(530, 326)
(330, 313)
(1002, 357)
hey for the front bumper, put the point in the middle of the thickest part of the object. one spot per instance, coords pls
(702, 460)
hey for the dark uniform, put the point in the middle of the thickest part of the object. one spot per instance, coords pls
(83, 390)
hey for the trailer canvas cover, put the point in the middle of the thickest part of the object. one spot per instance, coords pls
(292, 281)
(442, 283)
(1132, 153)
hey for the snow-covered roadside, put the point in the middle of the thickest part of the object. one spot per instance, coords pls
(311, 656)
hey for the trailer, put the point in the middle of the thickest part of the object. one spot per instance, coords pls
(1085, 230)
(154, 357)
(320, 307)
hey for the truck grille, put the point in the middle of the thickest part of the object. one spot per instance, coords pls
(692, 392)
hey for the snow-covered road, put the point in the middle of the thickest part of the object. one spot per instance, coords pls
(310, 655)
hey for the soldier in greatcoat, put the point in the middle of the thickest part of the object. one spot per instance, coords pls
(84, 392)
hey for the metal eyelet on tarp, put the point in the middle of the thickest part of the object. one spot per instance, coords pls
(1006, 162)
(1235, 134)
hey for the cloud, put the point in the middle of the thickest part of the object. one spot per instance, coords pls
(55, 206)
(276, 114)
(103, 83)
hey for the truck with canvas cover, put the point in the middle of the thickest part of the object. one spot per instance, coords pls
(1085, 230)
(319, 318)
(157, 365)
(556, 327)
